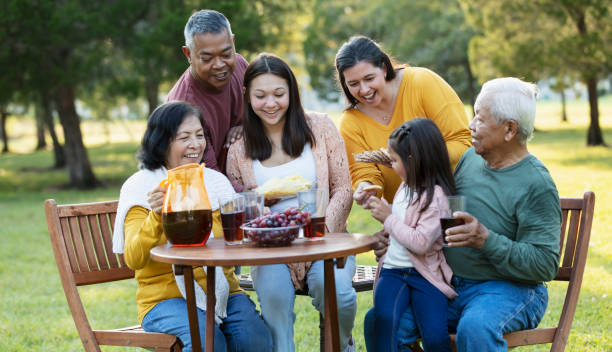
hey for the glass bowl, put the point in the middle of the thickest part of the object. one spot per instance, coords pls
(271, 236)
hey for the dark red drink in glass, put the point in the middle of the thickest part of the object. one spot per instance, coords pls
(447, 223)
(316, 228)
(232, 233)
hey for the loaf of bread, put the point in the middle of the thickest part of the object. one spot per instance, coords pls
(281, 187)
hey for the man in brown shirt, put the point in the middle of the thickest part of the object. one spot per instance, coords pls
(213, 82)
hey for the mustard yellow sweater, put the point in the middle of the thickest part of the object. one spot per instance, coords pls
(422, 93)
(143, 231)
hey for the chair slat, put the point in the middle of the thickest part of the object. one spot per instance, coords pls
(88, 246)
(100, 276)
(564, 213)
(570, 241)
(106, 227)
(94, 225)
(87, 209)
(77, 242)
(67, 242)
(134, 337)
(572, 203)
(563, 274)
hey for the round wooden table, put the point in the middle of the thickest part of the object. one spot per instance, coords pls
(333, 248)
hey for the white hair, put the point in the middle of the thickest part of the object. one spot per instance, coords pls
(510, 98)
(205, 21)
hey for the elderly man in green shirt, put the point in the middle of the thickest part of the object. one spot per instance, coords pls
(509, 244)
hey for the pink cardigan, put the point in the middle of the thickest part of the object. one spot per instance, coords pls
(420, 234)
(331, 166)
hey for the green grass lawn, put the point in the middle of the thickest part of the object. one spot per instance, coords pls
(34, 315)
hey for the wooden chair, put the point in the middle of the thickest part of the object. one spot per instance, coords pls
(362, 281)
(576, 224)
(81, 239)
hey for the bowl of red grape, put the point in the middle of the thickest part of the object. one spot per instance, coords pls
(277, 228)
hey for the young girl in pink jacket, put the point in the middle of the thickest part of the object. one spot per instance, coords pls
(414, 272)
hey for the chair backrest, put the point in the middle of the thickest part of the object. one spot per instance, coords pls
(575, 234)
(81, 236)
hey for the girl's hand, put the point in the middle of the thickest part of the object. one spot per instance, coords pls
(361, 196)
(381, 246)
(156, 199)
(379, 208)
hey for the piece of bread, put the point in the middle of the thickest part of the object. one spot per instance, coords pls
(378, 156)
(372, 188)
(281, 187)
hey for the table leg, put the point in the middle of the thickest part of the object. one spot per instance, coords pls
(194, 326)
(210, 308)
(332, 338)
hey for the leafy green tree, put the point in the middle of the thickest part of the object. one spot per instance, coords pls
(540, 39)
(57, 47)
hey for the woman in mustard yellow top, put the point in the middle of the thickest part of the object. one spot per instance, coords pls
(175, 137)
(381, 97)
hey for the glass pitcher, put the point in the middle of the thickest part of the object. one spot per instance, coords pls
(187, 215)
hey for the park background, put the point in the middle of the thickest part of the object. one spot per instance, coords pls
(78, 79)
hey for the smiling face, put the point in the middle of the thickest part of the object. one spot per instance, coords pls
(188, 144)
(212, 58)
(269, 98)
(366, 82)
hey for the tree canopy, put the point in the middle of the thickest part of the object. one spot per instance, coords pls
(63, 50)
(428, 33)
(544, 38)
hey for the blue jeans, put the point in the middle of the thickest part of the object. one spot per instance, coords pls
(277, 296)
(242, 330)
(399, 289)
(482, 313)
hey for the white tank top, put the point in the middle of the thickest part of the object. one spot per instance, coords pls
(304, 165)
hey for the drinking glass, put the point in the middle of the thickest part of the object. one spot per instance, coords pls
(254, 207)
(232, 217)
(315, 202)
(446, 209)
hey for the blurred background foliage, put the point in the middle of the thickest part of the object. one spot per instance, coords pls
(68, 60)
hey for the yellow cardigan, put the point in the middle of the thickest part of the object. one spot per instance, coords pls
(422, 93)
(143, 231)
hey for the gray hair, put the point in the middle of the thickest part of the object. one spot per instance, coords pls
(510, 98)
(205, 21)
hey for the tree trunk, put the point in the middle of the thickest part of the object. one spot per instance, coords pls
(79, 168)
(58, 150)
(152, 90)
(3, 117)
(40, 128)
(594, 136)
(563, 107)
